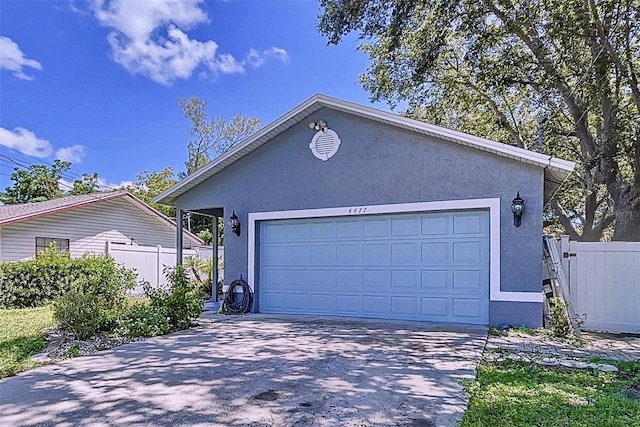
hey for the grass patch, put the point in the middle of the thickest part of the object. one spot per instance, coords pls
(523, 394)
(21, 338)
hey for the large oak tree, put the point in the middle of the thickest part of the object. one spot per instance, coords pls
(494, 68)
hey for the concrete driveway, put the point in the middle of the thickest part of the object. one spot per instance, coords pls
(259, 370)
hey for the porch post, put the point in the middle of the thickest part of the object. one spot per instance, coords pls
(179, 237)
(214, 270)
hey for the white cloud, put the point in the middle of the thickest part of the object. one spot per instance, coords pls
(73, 154)
(106, 185)
(12, 59)
(277, 53)
(26, 142)
(149, 38)
(257, 59)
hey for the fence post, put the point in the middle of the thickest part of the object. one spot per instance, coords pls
(158, 265)
(564, 248)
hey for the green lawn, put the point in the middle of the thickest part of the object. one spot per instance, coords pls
(20, 338)
(525, 394)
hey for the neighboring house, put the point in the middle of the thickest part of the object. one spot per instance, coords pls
(82, 224)
(351, 211)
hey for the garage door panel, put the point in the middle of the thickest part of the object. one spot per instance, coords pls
(375, 304)
(270, 300)
(434, 225)
(467, 307)
(298, 255)
(469, 224)
(349, 279)
(323, 303)
(296, 301)
(273, 277)
(435, 253)
(405, 280)
(375, 227)
(298, 231)
(467, 252)
(323, 230)
(274, 232)
(297, 278)
(376, 253)
(323, 254)
(431, 306)
(435, 280)
(468, 279)
(272, 255)
(426, 266)
(322, 279)
(406, 226)
(348, 304)
(376, 278)
(404, 306)
(349, 229)
(349, 254)
(405, 253)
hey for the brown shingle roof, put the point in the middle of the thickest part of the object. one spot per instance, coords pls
(21, 212)
(14, 213)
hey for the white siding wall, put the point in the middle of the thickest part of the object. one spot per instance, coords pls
(88, 228)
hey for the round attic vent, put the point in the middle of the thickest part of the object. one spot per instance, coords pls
(325, 144)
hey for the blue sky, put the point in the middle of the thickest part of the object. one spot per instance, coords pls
(97, 82)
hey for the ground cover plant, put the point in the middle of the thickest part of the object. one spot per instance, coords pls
(513, 393)
(21, 337)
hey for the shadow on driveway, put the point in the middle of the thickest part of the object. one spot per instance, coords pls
(259, 370)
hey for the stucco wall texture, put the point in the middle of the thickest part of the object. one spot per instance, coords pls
(382, 164)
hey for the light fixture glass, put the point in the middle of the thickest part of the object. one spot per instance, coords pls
(517, 207)
(234, 223)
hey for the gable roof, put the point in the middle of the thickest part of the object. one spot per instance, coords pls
(555, 170)
(10, 214)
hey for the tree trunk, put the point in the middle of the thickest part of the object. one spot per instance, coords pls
(627, 210)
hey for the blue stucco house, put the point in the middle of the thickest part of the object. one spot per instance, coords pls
(346, 210)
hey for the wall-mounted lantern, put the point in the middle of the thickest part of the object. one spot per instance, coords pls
(234, 223)
(517, 207)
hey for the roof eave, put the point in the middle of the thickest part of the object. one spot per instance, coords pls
(319, 101)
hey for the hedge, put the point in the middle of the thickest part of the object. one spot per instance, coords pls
(37, 282)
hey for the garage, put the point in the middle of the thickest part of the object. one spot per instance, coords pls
(429, 266)
(340, 209)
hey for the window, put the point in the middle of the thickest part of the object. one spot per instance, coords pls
(43, 243)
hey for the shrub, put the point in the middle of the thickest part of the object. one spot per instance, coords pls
(183, 301)
(201, 270)
(96, 299)
(560, 323)
(166, 309)
(37, 282)
(145, 320)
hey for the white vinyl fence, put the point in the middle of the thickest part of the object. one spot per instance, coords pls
(150, 261)
(604, 281)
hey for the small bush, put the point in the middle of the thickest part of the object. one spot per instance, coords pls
(183, 302)
(73, 351)
(201, 270)
(96, 300)
(145, 320)
(560, 323)
(166, 309)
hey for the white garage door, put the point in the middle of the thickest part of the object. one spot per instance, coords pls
(419, 266)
